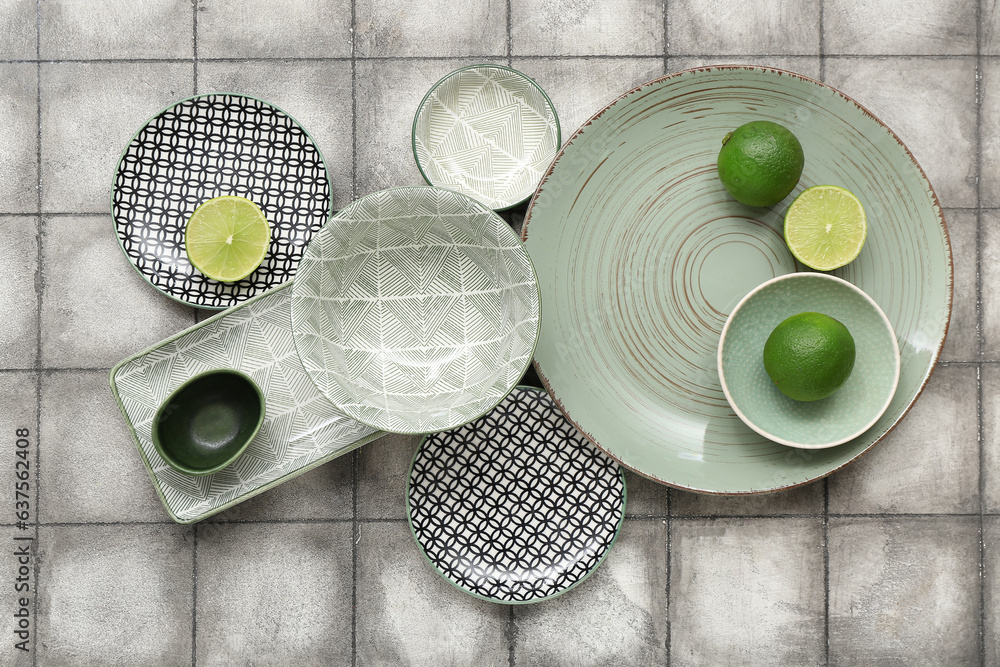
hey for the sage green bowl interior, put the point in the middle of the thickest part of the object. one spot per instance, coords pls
(842, 416)
(208, 421)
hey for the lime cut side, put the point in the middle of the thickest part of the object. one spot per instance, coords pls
(825, 227)
(227, 238)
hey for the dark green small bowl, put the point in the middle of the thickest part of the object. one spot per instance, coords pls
(208, 421)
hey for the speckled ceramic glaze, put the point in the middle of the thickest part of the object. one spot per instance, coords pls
(486, 131)
(842, 416)
(641, 255)
(415, 309)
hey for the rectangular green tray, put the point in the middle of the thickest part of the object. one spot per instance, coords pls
(301, 429)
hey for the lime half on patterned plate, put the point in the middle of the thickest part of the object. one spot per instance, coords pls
(227, 238)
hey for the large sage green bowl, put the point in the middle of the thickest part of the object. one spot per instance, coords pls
(641, 255)
(831, 421)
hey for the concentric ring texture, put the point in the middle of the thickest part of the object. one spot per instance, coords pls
(208, 146)
(488, 132)
(641, 255)
(415, 309)
(516, 506)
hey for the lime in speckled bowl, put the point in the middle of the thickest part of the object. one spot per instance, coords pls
(836, 419)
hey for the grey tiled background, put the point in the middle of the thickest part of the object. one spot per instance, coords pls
(892, 561)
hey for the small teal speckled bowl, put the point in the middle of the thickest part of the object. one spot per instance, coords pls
(836, 419)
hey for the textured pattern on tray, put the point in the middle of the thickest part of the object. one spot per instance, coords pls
(301, 428)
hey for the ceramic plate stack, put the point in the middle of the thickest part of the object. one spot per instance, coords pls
(641, 255)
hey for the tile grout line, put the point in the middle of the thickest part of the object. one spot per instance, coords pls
(980, 334)
(39, 284)
(486, 57)
(666, 621)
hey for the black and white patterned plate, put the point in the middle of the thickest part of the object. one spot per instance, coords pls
(516, 506)
(208, 146)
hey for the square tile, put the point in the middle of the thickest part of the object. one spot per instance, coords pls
(265, 29)
(90, 111)
(930, 103)
(962, 341)
(891, 27)
(72, 30)
(989, 132)
(561, 28)
(580, 87)
(991, 588)
(19, 30)
(383, 471)
(275, 594)
(388, 94)
(95, 323)
(807, 499)
(991, 438)
(407, 614)
(89, 469)
(614, 617)
(990, 268)
(326, 492)
(19, 137)
(112, 588)
(18, 465)
(19, 309)
(643, 496)
(746, 592)
(928, 464)
(705, 27)
(400, 28)
(904, 591)
(805, 65)
(316, 94)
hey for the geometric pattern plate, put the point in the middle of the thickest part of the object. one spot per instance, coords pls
(641, 256)
(205, 147)
(517, 506)
(487, 131)
(301, 429)
(415, 309)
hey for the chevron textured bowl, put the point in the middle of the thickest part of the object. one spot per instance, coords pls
(415, 310)
(486, 131)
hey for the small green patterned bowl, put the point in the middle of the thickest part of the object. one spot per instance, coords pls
(836, 419)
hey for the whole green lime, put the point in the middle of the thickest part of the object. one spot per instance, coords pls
(809, 356)
(760, 163)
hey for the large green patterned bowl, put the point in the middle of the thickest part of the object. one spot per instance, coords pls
(641, 255)
(415, 310)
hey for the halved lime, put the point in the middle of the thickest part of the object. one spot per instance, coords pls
(227, 238)
(825, 227)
